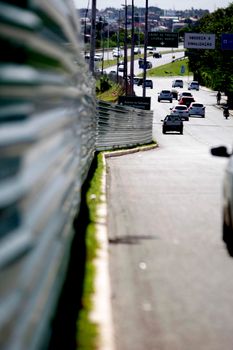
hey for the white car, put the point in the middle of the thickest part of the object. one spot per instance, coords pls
(227, 206)
(121, 68)
(165, 95)
(117, 53)
(137, 51)
(98, 57)
(194, 85)
(150, 50)
(196, 108)
(180, 110)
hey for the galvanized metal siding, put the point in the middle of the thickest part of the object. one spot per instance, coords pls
(47, 143)
(120, 126)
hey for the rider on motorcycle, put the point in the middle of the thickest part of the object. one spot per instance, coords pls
(226, 112)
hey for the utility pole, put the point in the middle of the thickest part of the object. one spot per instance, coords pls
(125, 52)
(132, 53)
(85, 31)
(93, 31)
(145, 50)
(118, 45)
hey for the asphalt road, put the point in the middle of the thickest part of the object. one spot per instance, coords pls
(171, 275)
(166, 58)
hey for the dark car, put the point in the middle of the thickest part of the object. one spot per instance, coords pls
(172, 123)
(174, 94)
(141, 63)
(140, 81)
(149, 83)
(136, 80)
(157, 55)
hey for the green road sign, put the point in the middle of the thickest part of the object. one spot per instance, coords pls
(163, 39)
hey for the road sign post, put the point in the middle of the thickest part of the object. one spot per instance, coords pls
(199, 41)
(227, 41)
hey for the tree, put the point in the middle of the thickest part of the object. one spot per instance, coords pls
(214, 67)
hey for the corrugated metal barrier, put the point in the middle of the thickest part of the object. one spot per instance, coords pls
(47, 143)
(120, 126)
(48, 131)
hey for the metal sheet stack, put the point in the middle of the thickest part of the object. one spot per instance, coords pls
(120, 126)
(47, 143)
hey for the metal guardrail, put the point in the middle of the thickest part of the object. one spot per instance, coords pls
(120, 126)
(47, 143)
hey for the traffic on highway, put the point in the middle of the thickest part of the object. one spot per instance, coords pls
(169, 268)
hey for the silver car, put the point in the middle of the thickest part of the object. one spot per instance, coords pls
(227, 209)
(196, 108)
(178, 83)
(165, 95)
(194, 85)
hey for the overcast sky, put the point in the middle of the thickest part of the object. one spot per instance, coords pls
(211, 5)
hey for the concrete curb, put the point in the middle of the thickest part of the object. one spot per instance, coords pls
(128, 151)
(102, 308)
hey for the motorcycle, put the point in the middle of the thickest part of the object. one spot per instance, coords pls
(226, 113)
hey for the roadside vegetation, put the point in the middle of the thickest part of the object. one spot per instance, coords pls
(107, 90)
(170, 69)
(213, 68)
(87, 331)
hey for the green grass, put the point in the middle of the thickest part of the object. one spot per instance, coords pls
(112, 94)
(169, 69)
(87, 331)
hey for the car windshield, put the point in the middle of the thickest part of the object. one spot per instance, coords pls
(165, 91)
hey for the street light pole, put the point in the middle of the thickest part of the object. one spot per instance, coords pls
(145, 50)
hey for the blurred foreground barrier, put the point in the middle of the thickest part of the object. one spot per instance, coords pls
(47, 143)
(120, 126)
(48, 131)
